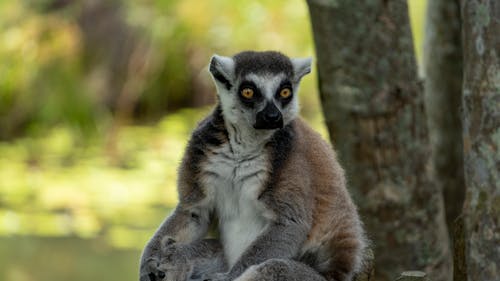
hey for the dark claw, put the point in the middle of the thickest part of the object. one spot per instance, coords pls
(161, 274)
(152, 277)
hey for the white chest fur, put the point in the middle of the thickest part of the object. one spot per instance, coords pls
(234, 180)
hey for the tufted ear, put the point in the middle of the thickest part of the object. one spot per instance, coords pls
(301, 67)
(222, 70)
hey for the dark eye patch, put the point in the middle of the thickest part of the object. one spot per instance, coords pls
(285, 84)
(257, 95)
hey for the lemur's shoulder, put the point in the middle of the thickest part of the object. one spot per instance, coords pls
(211, 131)
(308, 138)
(311, 146)
(309, 167)
(319, 162)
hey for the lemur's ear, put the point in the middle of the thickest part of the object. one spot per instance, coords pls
(222, 70)
(301, 67)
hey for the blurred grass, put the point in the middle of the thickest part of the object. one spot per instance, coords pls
(55, 186)
(74, 206)
(64, 258)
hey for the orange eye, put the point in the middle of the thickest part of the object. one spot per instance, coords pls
(285, 93)
(247, 93)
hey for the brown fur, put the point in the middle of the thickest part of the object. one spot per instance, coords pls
(313, 175)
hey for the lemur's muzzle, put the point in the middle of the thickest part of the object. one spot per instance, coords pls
(269, 118)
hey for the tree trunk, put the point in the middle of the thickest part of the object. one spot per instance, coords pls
(443, 87)
(481, 122)
(374, 109)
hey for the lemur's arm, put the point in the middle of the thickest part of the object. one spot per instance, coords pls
(281, 240)
(190, 219)
(191, 261)
(183, 226)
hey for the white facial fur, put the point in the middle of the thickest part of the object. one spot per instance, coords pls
(244, 117)
(268, 85)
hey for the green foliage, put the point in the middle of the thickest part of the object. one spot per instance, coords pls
(40, 78)
(57, 68)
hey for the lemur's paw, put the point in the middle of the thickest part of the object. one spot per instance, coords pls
(175, 270)
(150, 270)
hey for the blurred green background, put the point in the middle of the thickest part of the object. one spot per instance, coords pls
(97, 100)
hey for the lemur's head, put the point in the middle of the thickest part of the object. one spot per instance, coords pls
(259, 89)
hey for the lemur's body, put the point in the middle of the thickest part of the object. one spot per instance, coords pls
(271, 182)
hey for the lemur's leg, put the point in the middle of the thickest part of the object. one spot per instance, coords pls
(182, 262)
(280, 270)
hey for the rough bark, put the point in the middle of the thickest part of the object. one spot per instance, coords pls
(374, 109)
(481, 137)
(443, 87)
(459, 266)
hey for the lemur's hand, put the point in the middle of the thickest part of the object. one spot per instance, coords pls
(154, 267)
(149, 270)
(174, 263)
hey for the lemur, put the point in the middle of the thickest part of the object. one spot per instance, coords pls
(271, 184)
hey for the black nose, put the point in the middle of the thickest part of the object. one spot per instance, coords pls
(272, 116)
(269, 118)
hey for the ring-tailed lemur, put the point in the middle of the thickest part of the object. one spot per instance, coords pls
(272, 185)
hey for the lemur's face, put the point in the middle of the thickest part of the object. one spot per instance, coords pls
(259, 89)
